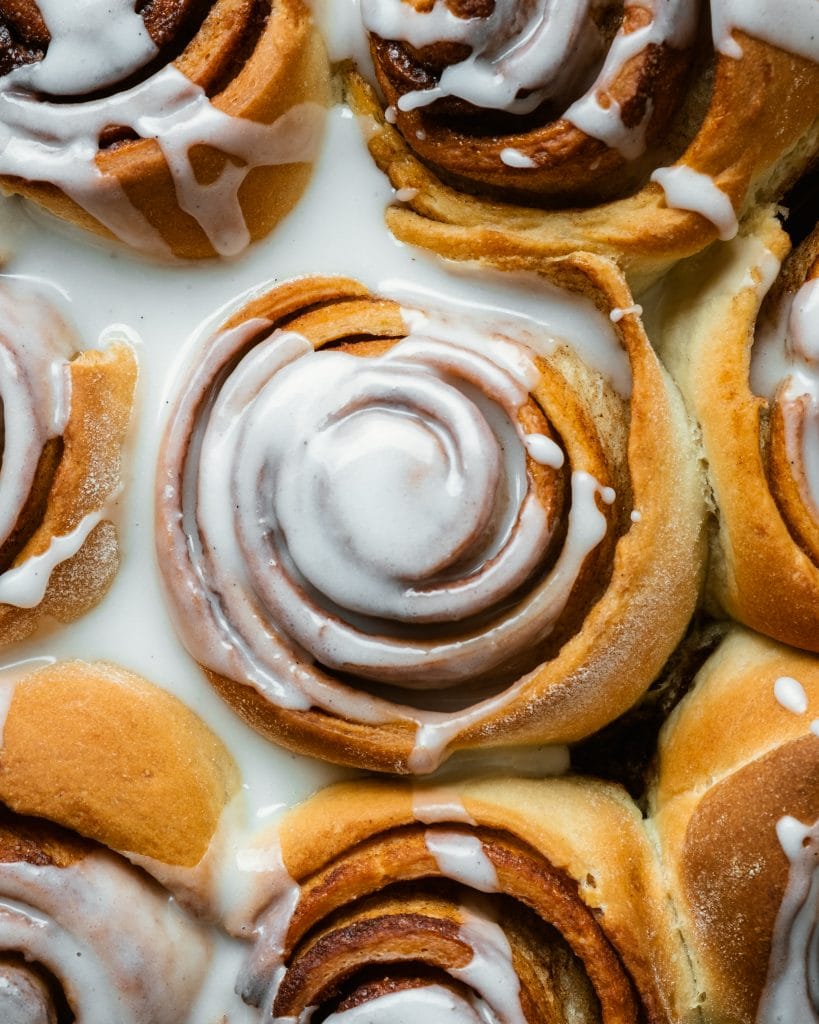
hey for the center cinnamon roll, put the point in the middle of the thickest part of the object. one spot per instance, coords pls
(391, 515)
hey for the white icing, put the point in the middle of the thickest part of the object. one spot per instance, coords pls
(814, 727)
(793, 26)
(617, 314)
(59, 142)
(432, 804)
(264, 968)
(405, 195)
(24, 997)
(79, 61)
(687, 189)
(25, 585)
(636, 515)
(514, 158)
(785, 370)
(462, 858)
(544, 450)
(122, 951)
(791, 695)
(792, 986)
(490, 973)
(415, 508)
(35, 347)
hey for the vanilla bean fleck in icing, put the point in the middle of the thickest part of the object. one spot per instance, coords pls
(58, 142)
(792, 987)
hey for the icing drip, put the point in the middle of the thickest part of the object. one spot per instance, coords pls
(617, 314)
(791, 695)
(792, 986)
(793, 27)
(514, 158)
(121, 949)
(687, 189)
(59, 142)
(785, 370)
(462, 858)
(264, 969)
(520, 57)
(432, 804)
(25, 585)
(361, 500)
(490, 973)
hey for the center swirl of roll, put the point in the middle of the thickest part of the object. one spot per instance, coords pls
(375, 491)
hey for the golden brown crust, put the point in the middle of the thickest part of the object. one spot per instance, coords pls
(763, 570)
(571, 854)
(101, 751)
(83, 475)
(732, 762)
(632, 604)
(286, 66)
(760, 131)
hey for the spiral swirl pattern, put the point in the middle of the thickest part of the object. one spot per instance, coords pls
(385, 512)
(551, 98)
(468, 919)
(69, 949)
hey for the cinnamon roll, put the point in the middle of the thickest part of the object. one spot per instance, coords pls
(179, 128)
(736, 809)
(503, 900)
(389, 530)
(99, 750)
(84, 936)
(65, 413)
(104, 762)
(740, 335)
(625, 129)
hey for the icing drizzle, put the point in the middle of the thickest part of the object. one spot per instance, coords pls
(792, 986)
(363, 501)
(58, 142)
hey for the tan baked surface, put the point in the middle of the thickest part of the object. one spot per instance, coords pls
(101, 751)
(760, 573)
(732, 762)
